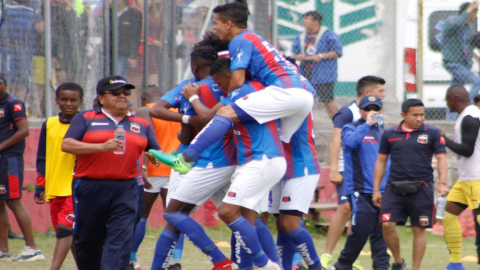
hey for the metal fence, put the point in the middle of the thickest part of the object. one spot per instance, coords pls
(55, 41)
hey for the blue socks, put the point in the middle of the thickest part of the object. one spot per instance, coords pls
(286, 249)
(246, 237)
(304, 243)
(210, 134)
(266, 241)
(240, 256)
(297, 258)
(164, 249)
(138, 238)
(195, 234)
(178, 252)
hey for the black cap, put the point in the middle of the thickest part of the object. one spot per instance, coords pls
(3, 78)
(112, 83)
(370, 100)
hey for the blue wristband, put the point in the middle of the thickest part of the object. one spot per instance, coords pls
(38, 190)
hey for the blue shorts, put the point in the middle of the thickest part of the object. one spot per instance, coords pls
(11, 178)
(341, 198)
(419, 207)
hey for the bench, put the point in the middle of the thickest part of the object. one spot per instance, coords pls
(316, 207)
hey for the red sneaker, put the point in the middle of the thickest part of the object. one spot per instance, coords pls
(225, 265)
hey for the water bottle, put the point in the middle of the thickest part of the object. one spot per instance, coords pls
(120, 135)
(440, 213)
(378, 118)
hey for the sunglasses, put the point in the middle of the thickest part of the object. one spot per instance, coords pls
(117, 92)
(376, 108)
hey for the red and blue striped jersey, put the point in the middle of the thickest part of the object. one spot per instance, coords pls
(221, 153)
(96, 127)
(300, 153)
(253, 140)
(264, 63)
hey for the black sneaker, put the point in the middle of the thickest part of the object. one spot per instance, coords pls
(12, 235)
(131, 265)
(399, 266)
(176, 266)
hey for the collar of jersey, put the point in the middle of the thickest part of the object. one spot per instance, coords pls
(64, 120)
(423, 127)
(101, 110)
(5, 98)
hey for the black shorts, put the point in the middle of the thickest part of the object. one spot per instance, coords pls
(324, 92)
(11, 178)
(419, 207)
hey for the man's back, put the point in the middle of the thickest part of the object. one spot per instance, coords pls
(455, 44)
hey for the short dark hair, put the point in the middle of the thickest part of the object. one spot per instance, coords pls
(211, 39)
(366, 81)
(316, 16)
(235, 12)
(463, 7)
(411, 102)
(476, 99)
(220, 66)
(205, 53)
(69, 86)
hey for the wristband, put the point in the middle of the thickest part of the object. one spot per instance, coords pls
(144, 167)
(321, 56)
(185, 118)
(192, 98)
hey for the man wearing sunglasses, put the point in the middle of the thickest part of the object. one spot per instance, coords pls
(105, 184)
(360, 148)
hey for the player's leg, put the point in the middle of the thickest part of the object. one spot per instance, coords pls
(456, 203)
(250, 183)
(120, 217)
(266, 240)
(419, 245)
(364, 217)
(62, 210)
(326, 96)
(4, 252)
(378, 247)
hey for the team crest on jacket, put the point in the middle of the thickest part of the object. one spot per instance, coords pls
(135, 127)
(423, 220)
(423, 139)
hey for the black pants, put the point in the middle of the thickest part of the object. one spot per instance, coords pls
(105, 212)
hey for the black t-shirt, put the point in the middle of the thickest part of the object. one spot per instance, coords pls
(12, 109)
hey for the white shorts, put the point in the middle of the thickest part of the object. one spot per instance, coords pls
(158, 183)
(291, 105)
(200, 184)
(264, 204)
(252, 181)
(294, 194)
(175, 179)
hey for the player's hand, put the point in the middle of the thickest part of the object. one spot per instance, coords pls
(112, 145)
(370, 119)
(146, 182)
(41, 198)
(314, 58)
(443, 189)
(301, 57)
(336, 178)
(377, 198)
(132, 62)
(152, 159)
(196, 122)
(190, 89)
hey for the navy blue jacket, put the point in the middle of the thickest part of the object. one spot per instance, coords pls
(360, 148)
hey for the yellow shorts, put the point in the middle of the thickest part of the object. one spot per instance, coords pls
(467, 193)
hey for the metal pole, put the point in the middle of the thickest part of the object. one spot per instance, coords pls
(165, 68)
(419, 68)
(173, 44)
(114, 41)
(145, 43)
(48, 57)
(274, 24)
(106, 38)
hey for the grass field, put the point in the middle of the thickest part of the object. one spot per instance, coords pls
(436, 256)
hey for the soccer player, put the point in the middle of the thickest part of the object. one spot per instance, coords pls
(283, 98)
(166, 134)
(258, 148)
(466, 191)
(55, 169)
(360, 145)
(368, 85)
(13, 131)
(105, 185)
(409, 191)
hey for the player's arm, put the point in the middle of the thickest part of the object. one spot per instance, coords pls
(204, 113)
(335, 144)
(378, 174)
(143, 112)
(353, 136)
(19, 135)
(238, 79)
(161, 111)
(442, 173)
(39, 195)
(469, 130)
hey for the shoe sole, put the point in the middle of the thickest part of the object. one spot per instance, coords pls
(33, 259)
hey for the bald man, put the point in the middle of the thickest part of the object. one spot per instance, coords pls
(466, 191)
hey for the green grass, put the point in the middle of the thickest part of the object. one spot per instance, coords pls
(436, 257)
